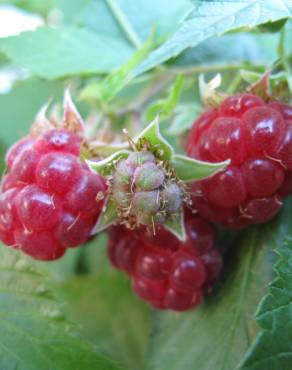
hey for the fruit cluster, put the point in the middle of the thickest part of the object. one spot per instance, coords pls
(143, 192)
(49, 199)
(165, 272)
(257, 138)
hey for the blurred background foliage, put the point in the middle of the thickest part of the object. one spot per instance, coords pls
(78, 44)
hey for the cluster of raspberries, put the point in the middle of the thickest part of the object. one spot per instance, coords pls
(165, 272)
(257, 138)
(49, 199)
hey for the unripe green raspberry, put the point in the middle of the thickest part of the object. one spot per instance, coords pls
(144, 191)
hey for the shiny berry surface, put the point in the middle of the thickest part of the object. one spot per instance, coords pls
(49, 200)
(257, 139)
(165, 272)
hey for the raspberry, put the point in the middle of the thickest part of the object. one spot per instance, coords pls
(167, 274)
(144, 191)
(49, 199)
(257, 138)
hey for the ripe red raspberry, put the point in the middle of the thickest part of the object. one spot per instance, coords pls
(167, 274)
(257, 138)
(49, 198)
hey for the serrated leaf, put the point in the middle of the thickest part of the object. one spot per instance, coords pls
(110, 315)
(104, 166)
(176, 226)
(115, 81)
(34, 334)
(272, 348)
(65, 51)
(153, 135)
(107, 217)
(189, 169)
(215, 17)
(165, 107)
(184, 116)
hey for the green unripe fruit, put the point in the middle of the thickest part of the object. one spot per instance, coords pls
(148, 177)
(144, 191)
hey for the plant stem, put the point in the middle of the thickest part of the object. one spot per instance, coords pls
(137, 106)
(235, 83)
(124, 23)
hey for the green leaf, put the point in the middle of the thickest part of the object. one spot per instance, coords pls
(189, 169)
(217, 334)
(115, 18)
(176, 226)
(165, 107)
(215, 17)
(272, 348)
(115, 81)
(107, 217)
(230, 50)
(184, 116)
(34, 334)
(58, 52)
(105, 166)
(110, 315)
(29, 96)
(153, 135)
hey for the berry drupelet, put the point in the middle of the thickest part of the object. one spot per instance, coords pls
(257, 138)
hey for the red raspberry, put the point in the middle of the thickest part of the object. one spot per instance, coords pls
(168, 277)
(257, 138)
(49, 199)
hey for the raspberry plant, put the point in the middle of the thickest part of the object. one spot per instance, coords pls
(170, 196)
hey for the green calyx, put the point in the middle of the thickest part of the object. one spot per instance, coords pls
(147, 181)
